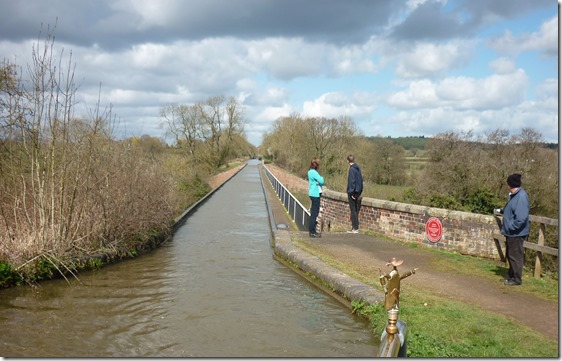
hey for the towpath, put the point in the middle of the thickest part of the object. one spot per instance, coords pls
(370, 253)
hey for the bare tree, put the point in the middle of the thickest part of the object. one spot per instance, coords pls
(386, 164)
(208, 128)
(66, 186)
(183, 126)
(464, 169)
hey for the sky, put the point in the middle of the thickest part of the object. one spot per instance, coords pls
(396, 67)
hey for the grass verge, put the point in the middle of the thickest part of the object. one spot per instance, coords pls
(441, 327)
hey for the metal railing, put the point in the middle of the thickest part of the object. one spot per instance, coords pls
(296, 210)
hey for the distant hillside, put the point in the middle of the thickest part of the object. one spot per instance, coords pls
(407, 143)
(420, 142)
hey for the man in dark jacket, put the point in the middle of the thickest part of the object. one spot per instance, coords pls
(515, 228)
(354, 190)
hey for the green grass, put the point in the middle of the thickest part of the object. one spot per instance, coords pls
(386, 192)
(441, 327)
(545, 288)
(376, 191)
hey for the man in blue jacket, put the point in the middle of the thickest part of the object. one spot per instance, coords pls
(515, 228)
(354, 190)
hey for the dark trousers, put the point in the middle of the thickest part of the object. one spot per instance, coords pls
(354, 208)
(314, 211)
(515, 254)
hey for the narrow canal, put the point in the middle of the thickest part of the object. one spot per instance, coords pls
(213, 291)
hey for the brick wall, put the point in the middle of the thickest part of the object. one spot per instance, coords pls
(463, 232)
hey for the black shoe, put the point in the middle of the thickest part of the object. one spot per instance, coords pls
(512, 283)
(315, 235)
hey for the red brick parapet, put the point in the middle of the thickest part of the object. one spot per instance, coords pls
(463, 232)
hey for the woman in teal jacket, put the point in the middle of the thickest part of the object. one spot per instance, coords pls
(315, 183)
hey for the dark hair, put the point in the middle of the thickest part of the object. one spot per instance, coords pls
(314, 163)
(514, 180)
(350, 158)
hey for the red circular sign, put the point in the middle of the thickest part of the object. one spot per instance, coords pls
(433, 229)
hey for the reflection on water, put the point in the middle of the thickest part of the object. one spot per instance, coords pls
(213, 291)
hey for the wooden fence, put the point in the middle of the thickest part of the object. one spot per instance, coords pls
(539, 247)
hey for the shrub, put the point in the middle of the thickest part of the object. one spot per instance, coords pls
(6, 274)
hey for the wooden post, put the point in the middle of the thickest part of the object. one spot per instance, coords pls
(538, 258)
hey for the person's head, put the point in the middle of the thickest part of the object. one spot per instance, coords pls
(314, 163)
(350, 159)
(514, 181)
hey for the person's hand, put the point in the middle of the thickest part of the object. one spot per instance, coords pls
(498, 211)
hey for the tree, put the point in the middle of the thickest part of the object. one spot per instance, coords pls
(183, 126)
(207, 129)
(295, 140)
(387, 163)
(67, 188)
(473, 171)
(287, 142)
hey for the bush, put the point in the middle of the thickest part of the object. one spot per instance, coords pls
(445, 201)
(483, 201)
(6, 274)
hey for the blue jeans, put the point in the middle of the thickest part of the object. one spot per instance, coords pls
(314, 211)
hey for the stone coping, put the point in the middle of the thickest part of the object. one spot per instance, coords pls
(414, 209)
(343, 284)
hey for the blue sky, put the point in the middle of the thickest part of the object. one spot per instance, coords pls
(397, 68)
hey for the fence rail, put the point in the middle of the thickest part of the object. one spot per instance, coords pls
(296, 210)
(539, 247)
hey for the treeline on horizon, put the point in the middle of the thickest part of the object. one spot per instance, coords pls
(420, 141)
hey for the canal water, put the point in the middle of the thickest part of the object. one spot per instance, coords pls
(214, 290)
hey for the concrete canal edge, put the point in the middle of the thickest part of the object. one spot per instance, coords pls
(333, 282)
(341, 286)
(180, 220)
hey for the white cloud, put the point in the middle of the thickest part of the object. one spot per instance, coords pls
(273, 96)
(149, 13)
(428, 59)
(493, 92)
(354, 63)
(335, 104)
(262, 119)
(548, 89)
(269, 114)
(350, 60)
(286, 59)
(146, 56)
(438, 120)
(503, 66)
(420, 93)
(545, 40)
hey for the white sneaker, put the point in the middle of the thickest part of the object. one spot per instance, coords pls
(353, 231)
